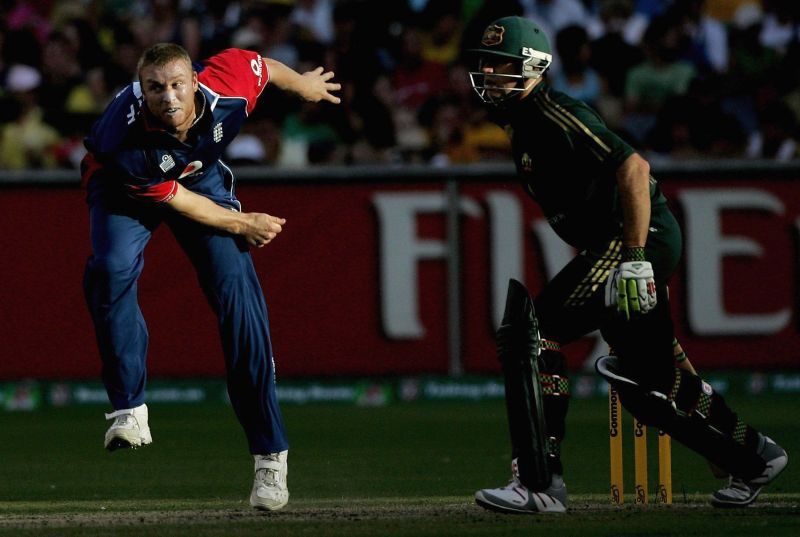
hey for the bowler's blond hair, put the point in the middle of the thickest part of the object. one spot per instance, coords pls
(161, 54)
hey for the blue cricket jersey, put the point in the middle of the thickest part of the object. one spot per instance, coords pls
(129, 152)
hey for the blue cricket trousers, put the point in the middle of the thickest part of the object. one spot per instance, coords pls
(120, 229)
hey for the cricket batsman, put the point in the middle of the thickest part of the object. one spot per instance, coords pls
(598, 196)
(155, 157)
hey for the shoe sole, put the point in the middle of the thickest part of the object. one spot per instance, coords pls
(503, 509)
(723, 504)
(263, 507)
(121, 442)
(480, 500)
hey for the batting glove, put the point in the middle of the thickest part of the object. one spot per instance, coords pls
(631, 287)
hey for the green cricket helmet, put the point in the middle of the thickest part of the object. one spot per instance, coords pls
(514, 39)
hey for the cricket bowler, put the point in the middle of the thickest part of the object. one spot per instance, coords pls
(155, 156)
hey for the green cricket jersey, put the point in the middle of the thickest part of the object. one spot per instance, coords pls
(567, 159)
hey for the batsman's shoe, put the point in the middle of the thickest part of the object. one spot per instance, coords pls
(129, 430)
(269, 486)
(741, 493)
(517, 499)
(736, 494)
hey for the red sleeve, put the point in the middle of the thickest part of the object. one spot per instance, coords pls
(89, 166)
(236, 73)
(158, 193)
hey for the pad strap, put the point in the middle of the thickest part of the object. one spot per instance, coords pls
(268, 464)
(554, 384)
(117, 413)
(550, 345)
(554, 447)
(693, 396)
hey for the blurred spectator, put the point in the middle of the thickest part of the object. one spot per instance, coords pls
(614, 54)
(267, 28)
(100, 85)
(751, 61)
(576, 78)
(696, 126)
(777, 137)
(643, 64)
(83, 39)
(217, 26)
(314, 18)
(442, 42)
(662, 75)
(167, 22)
(781, 24)
(21, 46)
(617, 17)
(652, 8)
(725, 10)
(553, 15)
(706, 39)
(416, 79)
(374, 123)
(26, 141)
(29, 16)
(303, 132)
(752, 66)
(61, 68)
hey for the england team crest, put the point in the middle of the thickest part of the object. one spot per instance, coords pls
(167, 163)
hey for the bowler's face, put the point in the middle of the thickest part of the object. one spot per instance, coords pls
(169, 93)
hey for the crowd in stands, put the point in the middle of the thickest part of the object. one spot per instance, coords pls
(678, 79)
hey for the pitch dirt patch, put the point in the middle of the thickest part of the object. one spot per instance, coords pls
(368, 510)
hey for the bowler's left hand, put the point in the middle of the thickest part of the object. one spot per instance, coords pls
(318, 86)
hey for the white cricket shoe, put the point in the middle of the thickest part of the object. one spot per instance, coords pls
(516, 498)
(736, 494)
(129, 430)
(741, 493)
(269, 486)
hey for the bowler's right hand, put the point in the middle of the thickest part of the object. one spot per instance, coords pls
(261, 228)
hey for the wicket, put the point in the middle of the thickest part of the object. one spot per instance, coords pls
(664, 492)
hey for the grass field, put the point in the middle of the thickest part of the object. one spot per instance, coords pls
(401, 470)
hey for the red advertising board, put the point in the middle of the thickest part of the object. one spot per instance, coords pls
(357, 282)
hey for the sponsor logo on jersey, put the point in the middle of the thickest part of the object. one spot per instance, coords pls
(256, 65)
(192, 168)
(167, 163)
(493, 35)
(217, 134)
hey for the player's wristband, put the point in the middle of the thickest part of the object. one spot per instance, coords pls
(633, 253)
(681, 356)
